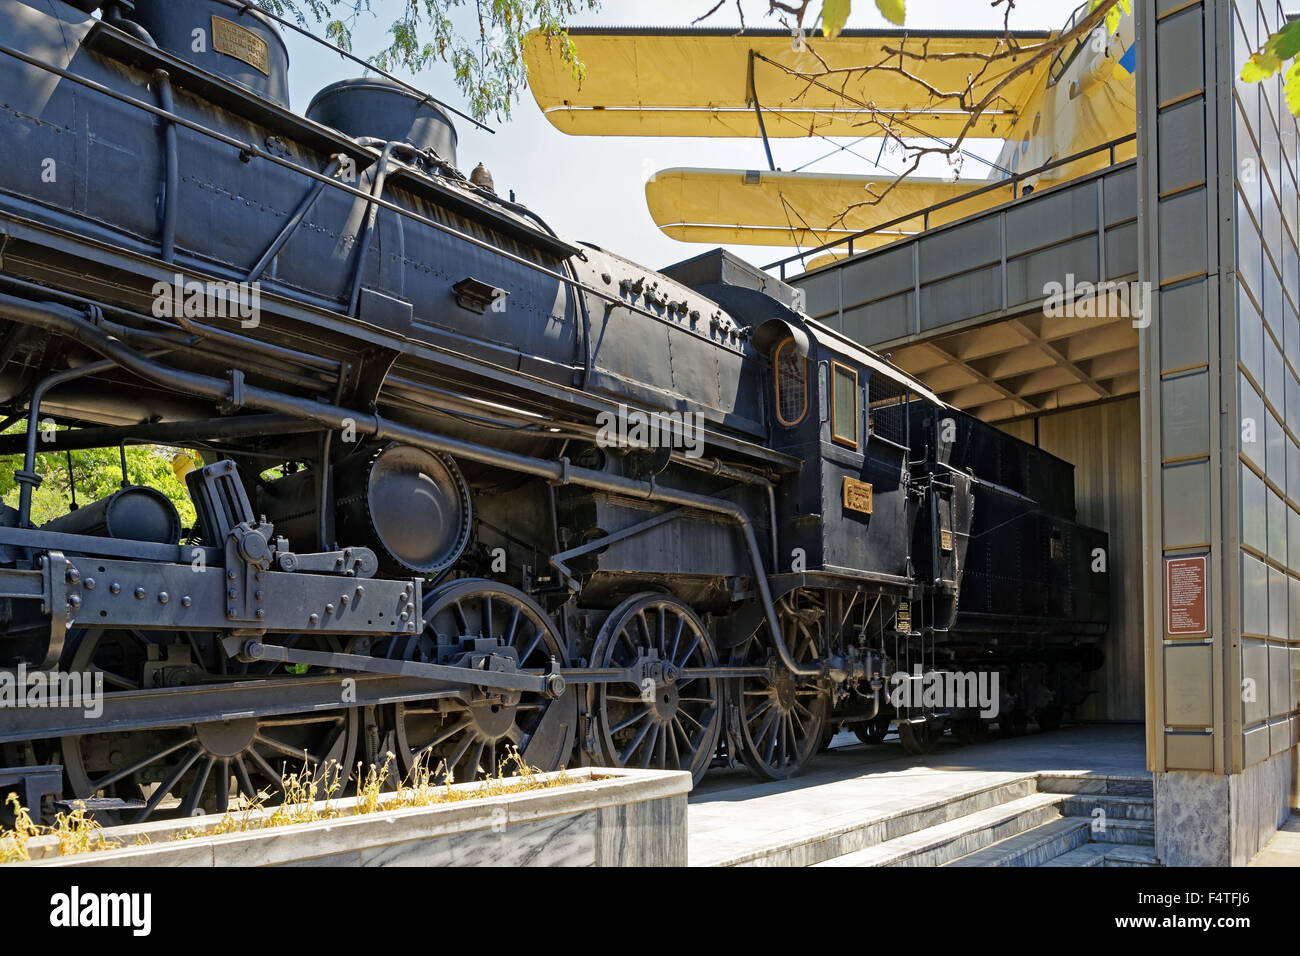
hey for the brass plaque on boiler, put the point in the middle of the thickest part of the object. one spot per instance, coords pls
(857, 496)
(945, 539)
(241, 43)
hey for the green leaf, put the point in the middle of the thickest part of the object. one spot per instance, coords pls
(1285, 44)
(892, 10)
(835, 13)
(1281, 48)
(485, 53)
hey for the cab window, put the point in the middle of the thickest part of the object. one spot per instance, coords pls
(844, 405)
(791, 384)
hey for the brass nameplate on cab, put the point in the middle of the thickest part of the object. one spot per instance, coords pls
(945, 540)
(241, 43)
(857, 496)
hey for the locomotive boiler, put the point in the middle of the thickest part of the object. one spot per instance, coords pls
(413, 534)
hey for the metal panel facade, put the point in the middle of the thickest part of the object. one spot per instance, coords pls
(985, 267)
(1221, 391)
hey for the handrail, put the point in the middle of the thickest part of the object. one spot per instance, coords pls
(261, 152)
(1012, 181)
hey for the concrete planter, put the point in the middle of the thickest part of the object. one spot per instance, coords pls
(604, 817)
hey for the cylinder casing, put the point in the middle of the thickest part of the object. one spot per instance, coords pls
(137, 513)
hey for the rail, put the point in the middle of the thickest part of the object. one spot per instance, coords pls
(1013, 182)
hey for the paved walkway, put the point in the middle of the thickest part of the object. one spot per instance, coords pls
(1284, 848)
(732, 817)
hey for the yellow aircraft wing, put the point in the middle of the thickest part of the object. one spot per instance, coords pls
(747, 207)
(645, 82)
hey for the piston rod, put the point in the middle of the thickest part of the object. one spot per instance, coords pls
(552, 685)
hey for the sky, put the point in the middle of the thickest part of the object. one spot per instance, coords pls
(592, 188)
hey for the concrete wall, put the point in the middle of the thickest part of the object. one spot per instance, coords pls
(1103, 442)
(600, 817)
(1222, 819)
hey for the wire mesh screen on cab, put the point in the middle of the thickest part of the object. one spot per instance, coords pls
(887, 409)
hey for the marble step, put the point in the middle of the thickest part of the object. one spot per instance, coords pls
(1090, 854)
(820, 839)
(1119, 855)
(1033, 847)
(1106, 854)
(1130, 832)
(944, 842)
(1117, 786)
(1115, 808)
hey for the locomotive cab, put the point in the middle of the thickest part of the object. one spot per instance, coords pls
(845, 413)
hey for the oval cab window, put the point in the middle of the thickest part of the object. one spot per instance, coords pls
(791, 384)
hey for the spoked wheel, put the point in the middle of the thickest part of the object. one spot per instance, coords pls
(463, 742)
(664, 720)
(187, 770)
(920, 737)
(782, 716)
(873, 731)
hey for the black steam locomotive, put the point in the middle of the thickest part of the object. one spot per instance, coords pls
(467, 486)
